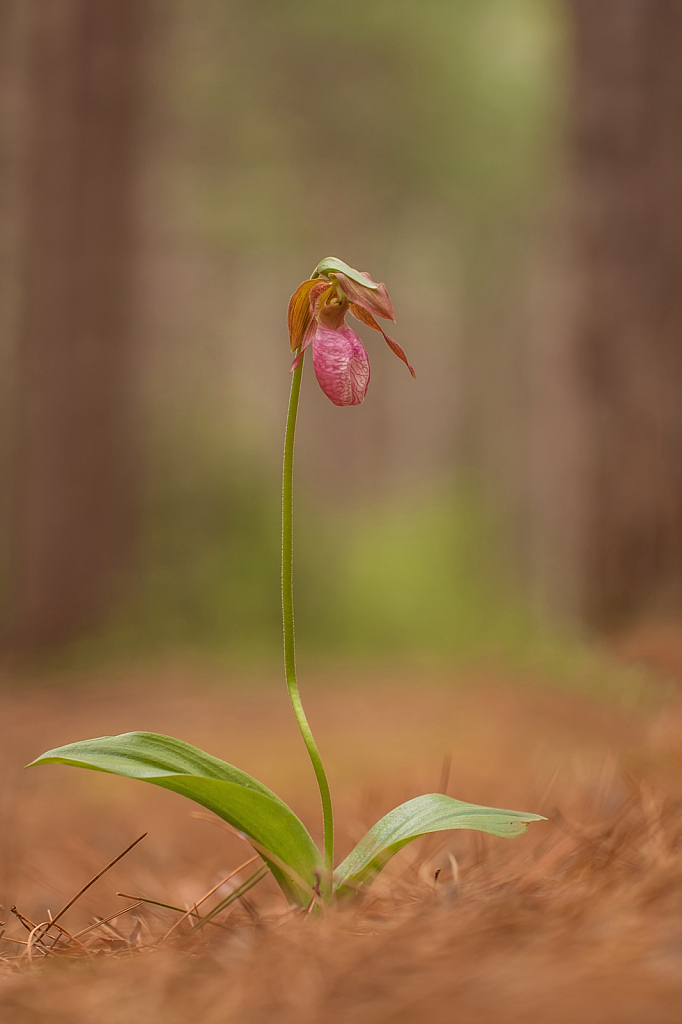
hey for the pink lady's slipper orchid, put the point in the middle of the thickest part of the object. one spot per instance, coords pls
(317, 316)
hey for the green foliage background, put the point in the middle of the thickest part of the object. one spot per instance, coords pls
(282, 132)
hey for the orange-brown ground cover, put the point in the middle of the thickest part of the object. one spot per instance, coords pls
(579, 920)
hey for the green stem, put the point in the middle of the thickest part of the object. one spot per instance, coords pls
(288, 619)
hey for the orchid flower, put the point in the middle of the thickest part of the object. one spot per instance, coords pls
(317, 316)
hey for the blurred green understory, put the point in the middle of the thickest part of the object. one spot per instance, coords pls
(412, 581)
(417, 573)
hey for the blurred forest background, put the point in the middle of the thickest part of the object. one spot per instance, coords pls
(172, 170)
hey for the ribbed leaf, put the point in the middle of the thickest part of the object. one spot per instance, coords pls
(238, 798)
(433, 812)
(331, 263)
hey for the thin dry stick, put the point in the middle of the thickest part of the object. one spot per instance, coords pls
(92, 882)
(208, 894)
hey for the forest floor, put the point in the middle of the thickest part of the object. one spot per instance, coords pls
(578, 920)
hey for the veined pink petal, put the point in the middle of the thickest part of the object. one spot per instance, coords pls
(374, 301)
(341, 364)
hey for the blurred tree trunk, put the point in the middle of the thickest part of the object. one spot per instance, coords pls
(627, 152)
(76, 490)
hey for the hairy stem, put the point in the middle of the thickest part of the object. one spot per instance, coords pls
(288, 619)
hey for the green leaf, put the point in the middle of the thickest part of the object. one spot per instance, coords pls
(331, 263)
(433, 812)
(238, 798)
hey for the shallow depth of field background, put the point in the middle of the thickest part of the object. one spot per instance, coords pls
(419, 141)
(172, 171)
(488, 560)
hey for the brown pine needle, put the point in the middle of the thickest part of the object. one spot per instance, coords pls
(237, 894)
(30, 928)
(92, 882)
(106, 920)
(109, 929)
(166, 906)
(208, 894)
(73, 939)
(154, 903)
(27, 923)
(35, 939)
